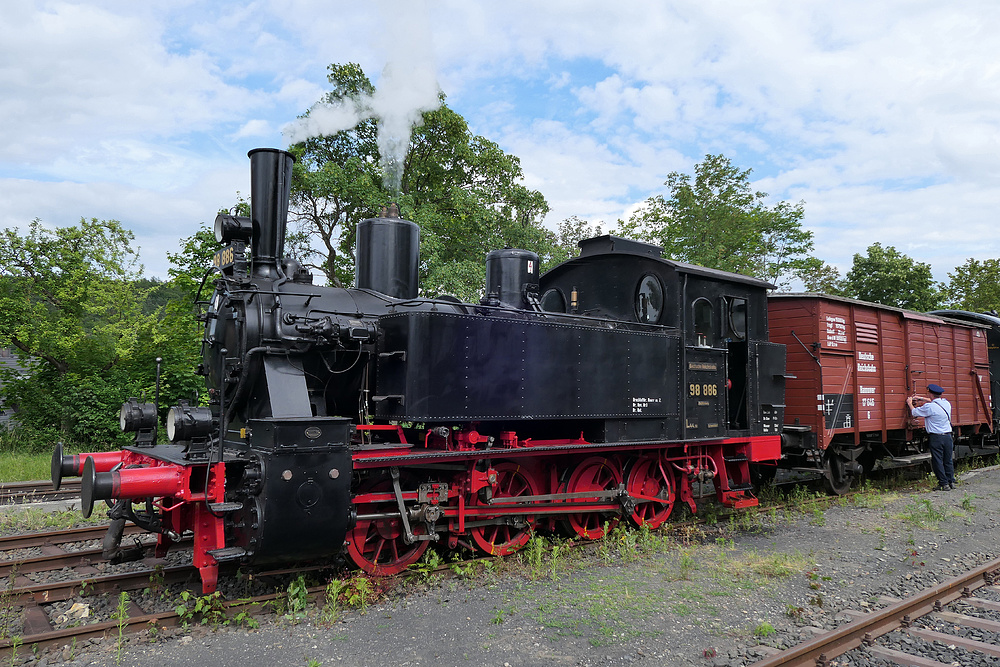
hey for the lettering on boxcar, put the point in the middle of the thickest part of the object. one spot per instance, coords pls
(836, 331)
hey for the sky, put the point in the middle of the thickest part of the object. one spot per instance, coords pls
(882, 117)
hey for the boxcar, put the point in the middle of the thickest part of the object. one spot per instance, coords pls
(851, 366)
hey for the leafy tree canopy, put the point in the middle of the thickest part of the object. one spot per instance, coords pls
(461, 189)
(72, 305)
(975, 286)
(69, 296)
(89, 328)
(884, 275)
(717, 220)
(818, 276)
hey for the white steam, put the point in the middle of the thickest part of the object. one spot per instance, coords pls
(408, 87)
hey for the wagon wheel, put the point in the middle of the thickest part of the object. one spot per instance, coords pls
(838, 477)
(762, 475)
(647, 477)
(592, 474)
(501, 539)
(377, 545)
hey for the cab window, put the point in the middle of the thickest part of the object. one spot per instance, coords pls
(553, 301)
(737, 318)
(649, 299)
(703, 321)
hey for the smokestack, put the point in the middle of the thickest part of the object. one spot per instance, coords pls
(270, 184)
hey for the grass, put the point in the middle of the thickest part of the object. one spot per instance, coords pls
(922, 513)
(768, 565)
(24, 467)
(32, 519)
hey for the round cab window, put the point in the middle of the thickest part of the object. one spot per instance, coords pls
(649, 300)
(553, 301)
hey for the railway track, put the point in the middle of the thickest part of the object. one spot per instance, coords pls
(32, 598)
(910, 616)
(29, 599)
(18, 493)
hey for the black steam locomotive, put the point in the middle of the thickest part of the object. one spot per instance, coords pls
(379, 421)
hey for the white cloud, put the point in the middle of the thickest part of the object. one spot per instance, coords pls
(881, 116)
(254, 128)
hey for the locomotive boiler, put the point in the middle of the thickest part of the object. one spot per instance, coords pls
(374, 421)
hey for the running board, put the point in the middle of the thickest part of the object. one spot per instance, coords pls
(909, 460)
(227, 554)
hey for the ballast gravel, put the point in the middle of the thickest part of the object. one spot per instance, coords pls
(725, 595)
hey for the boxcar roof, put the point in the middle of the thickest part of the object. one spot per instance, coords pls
(933, 316)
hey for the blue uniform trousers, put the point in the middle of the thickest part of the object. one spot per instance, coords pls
(941, 457)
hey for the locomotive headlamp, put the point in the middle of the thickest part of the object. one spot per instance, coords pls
(230, 228)
(186, 423)
(136, 416)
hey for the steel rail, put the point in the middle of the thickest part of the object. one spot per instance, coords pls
(864, 629)
(60, 559)
(138, 620)
(29, 492)
(66, 536)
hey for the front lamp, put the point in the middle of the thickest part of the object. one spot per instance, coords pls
(229, 228)
(185, 422)
(136, 416)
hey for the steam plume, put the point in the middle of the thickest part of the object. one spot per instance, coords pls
(407, 89)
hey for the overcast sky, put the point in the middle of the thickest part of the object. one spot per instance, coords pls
(883, 117)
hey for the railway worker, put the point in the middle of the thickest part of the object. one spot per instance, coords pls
(936, 412)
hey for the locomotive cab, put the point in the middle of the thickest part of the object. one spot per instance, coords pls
(730, 378)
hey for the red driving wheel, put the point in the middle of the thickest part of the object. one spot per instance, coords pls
(593, 474)
(649, 477)
(501, 539)
(377, 545)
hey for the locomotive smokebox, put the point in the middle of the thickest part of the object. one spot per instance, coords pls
(512, 275)
(388, 254)
(270, 185)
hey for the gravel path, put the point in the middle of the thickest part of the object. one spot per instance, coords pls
(717, 597)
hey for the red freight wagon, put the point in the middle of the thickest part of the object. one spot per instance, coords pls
(851, 365)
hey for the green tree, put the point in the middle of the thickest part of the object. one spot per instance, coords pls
(884, 275)
(72, 306)
(818, 276)
(179, 330)
(571, 231)
(718, 221)
(975, 286)
(461, 189)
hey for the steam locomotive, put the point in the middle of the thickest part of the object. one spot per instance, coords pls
(376, 421)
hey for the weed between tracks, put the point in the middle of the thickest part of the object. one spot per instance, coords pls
(687, 572)
(32, 519)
